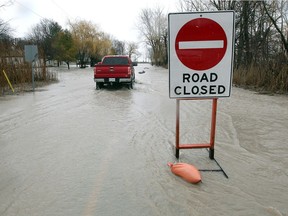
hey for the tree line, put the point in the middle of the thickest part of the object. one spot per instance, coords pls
(83, 42)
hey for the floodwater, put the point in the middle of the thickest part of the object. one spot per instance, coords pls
(69, 149)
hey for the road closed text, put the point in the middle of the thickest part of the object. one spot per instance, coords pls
(199, 84)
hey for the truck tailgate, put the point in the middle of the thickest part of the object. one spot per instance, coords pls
(112, 71)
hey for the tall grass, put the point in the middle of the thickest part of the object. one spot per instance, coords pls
(266, 79)
(20, 75)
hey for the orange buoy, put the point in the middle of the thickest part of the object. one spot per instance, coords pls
(186, 171)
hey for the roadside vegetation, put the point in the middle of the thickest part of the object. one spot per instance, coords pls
(261, 43)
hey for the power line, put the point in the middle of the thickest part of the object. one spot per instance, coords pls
(57, 5)
(29, 9)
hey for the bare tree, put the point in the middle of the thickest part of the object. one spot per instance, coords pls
(224, 5)
(193, 5)
(277, 12)
(131, 48)
(153, 27)
(5, 29)
(119, 47)
(43, 34)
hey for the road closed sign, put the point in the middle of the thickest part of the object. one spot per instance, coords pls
(201, 47)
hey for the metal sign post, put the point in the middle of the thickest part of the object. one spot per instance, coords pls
(209, 145)
(31, 55)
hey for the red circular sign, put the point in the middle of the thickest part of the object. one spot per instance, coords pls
(201, 44)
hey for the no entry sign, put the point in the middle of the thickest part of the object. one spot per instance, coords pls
(201, 47)
(194, 37)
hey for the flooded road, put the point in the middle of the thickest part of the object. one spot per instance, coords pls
(69, 149)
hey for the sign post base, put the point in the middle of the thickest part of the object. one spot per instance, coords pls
(209, 145)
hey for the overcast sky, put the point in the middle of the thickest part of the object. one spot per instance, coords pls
(115, 17)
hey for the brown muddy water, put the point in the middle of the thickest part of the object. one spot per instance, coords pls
(68, 149)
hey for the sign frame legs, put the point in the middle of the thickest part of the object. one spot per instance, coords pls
(209, 145)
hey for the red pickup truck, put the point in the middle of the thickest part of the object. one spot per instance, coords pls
(114, 69)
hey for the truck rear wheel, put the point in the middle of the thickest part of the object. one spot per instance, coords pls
(130, 85)
(99, 86)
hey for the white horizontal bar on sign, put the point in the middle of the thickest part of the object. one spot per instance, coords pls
(211, 44)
